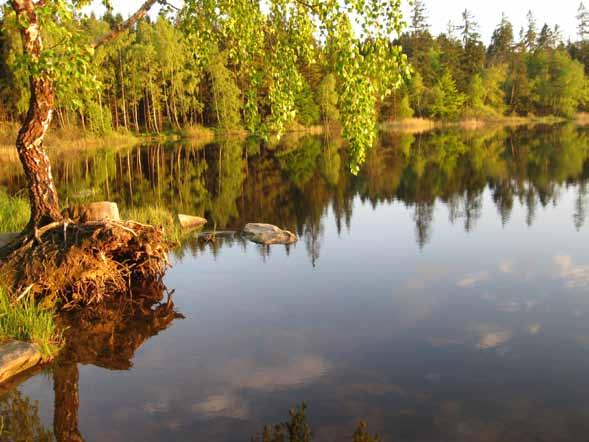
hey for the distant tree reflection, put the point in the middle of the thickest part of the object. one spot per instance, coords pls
(294, 182)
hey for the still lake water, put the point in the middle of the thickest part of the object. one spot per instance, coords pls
(440, 295)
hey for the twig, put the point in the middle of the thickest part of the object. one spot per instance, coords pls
(24, 293)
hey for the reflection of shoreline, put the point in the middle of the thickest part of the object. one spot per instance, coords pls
(235, 181)
(108, 338)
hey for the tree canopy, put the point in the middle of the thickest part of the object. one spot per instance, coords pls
(264, 45)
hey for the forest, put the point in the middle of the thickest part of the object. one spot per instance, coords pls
(151, 80)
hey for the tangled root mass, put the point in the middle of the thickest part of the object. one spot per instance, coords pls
(84, 264)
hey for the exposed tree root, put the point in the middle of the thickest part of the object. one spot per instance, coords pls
(77, 265)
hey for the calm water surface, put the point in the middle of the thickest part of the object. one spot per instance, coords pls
(441, 295)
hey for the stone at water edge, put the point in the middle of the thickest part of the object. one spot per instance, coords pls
(16, 357)
(7, 238)
(268, 234)
(191, 222)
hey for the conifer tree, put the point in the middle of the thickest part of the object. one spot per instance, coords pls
(419, 22)
(583, 22)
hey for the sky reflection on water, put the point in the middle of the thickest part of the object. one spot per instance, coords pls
(438, 296)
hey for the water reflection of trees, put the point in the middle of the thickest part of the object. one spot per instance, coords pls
(107, 338)
(20, 421)
(295, 183)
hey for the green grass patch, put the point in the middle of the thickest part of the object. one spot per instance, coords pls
(26, 320)
(14, 212)
(156, 216)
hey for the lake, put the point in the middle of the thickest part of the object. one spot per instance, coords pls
(440, 295)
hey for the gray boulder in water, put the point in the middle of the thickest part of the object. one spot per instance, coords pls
(267, 234)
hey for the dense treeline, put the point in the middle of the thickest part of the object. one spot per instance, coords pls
(150, 81)
(456, 76)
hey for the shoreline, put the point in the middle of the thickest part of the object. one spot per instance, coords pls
(423, 125)
(74, 139)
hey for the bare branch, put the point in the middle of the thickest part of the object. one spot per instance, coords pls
(115, 33)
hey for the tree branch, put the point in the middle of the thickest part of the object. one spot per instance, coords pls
(119, 29)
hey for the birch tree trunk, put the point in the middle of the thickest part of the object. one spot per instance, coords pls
(42, 192)
(29, 144)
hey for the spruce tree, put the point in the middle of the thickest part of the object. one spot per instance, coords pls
(583, 22)
(501, 41)
(531, 32)
(419, 22)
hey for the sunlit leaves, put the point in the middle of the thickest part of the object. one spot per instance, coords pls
(266, 41)
(67, 56)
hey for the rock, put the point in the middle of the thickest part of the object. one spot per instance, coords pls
(191, 222)
(16, 357)
(7, 238)
(268, 234)
(100, 211)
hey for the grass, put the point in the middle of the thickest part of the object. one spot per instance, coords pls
(14, 213)
(199, 133)
(26, 320)
(156, 216)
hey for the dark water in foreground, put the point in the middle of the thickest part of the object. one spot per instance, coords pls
(441, 295)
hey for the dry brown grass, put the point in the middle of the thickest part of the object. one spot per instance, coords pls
(582, 119)
(64, 139)
(421, 125)
(296, 127)
(411, 125)
(200, 134)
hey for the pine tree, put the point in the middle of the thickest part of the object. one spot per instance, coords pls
(547, 38)
(583, 19)
(469, 28)
(531, 33)
(419, 22)
(501, 41)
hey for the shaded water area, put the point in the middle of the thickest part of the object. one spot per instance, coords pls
(442, 294)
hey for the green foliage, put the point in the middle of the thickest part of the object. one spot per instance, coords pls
(485, 96)
(296, 430)
(300, 163)
(404, 110)
(559, 83)
(263, 64)
(99, 119)
(156, 216)
(396, 107)
(23, 319)
(266, 47)
(536, 75)
(308, 112)
(447, 100)
(361, 434)
(328, 99)
(20, 421)
(226, 100)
